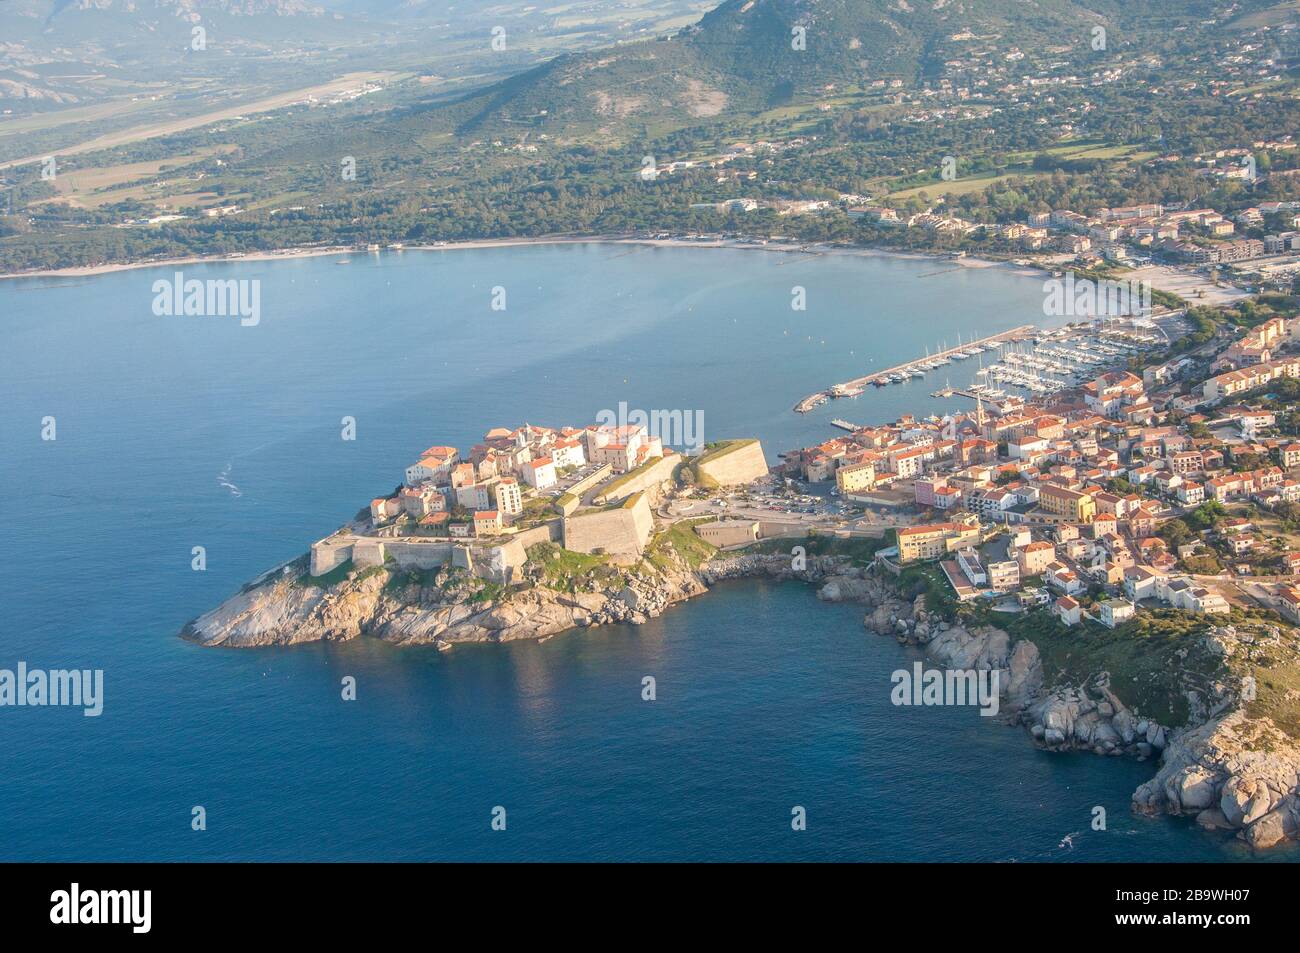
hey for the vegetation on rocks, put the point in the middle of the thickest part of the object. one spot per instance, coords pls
(680, 540)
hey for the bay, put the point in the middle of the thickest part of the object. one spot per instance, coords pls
(176, 432)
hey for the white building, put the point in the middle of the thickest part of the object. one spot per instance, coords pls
(434, 465)
(623, 448)
(1116, 612)
(539, 473)
(567, 453)
(509, 499)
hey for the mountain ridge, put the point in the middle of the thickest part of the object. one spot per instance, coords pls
(758, 54)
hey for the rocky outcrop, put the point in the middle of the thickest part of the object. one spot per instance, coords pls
(283, 612)
(822, 571)
(1090, 718)
(1232, 773)
(1226, 770)
(453, 608)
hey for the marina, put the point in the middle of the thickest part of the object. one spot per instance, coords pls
(1025, 360)
(1055, 360)
(901, 373)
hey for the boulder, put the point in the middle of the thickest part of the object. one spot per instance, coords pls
(1213, 820)
(1024, 673)
(1269, 830)
(1194, 789)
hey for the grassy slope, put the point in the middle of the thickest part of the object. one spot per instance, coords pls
(1153, 661)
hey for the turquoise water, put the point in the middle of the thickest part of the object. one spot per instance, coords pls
(182, 432)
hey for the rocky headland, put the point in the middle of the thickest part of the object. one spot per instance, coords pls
(1227, 766)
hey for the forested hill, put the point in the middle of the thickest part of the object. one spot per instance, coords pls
(758, 54)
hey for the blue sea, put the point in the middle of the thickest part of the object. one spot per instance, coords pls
(177, 432)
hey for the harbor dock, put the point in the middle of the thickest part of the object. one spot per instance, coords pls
(913, 367)
(959, 392)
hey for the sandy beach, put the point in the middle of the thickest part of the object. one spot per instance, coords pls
(1187, 284)
(292, 253)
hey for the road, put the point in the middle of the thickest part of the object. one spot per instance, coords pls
(169, 127)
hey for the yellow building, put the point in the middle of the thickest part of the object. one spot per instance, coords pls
(935, 540)
(1069, 504)
(855, 478)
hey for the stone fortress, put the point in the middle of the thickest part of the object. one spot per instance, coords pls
(599, 501)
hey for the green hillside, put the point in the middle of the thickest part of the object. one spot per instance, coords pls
(757, 107)
(754, 55)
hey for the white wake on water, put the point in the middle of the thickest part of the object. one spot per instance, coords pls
(223, 479)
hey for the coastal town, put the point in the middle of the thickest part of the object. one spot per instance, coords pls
(1175, 484)
(655, 432)
(1139, 234)
(1122, 548)
(1148, 477)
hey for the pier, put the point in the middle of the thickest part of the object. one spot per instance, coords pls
(844, 425)
(961, 392)
(858, 383)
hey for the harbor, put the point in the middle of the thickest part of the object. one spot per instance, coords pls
(917, 367)
(1056, 360)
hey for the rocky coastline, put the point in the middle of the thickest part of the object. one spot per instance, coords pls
(1224, 769)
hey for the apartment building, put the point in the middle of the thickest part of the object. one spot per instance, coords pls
(935, 539)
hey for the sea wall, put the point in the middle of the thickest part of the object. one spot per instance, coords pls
(598, 476)
(330, 553)
(769, 529)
